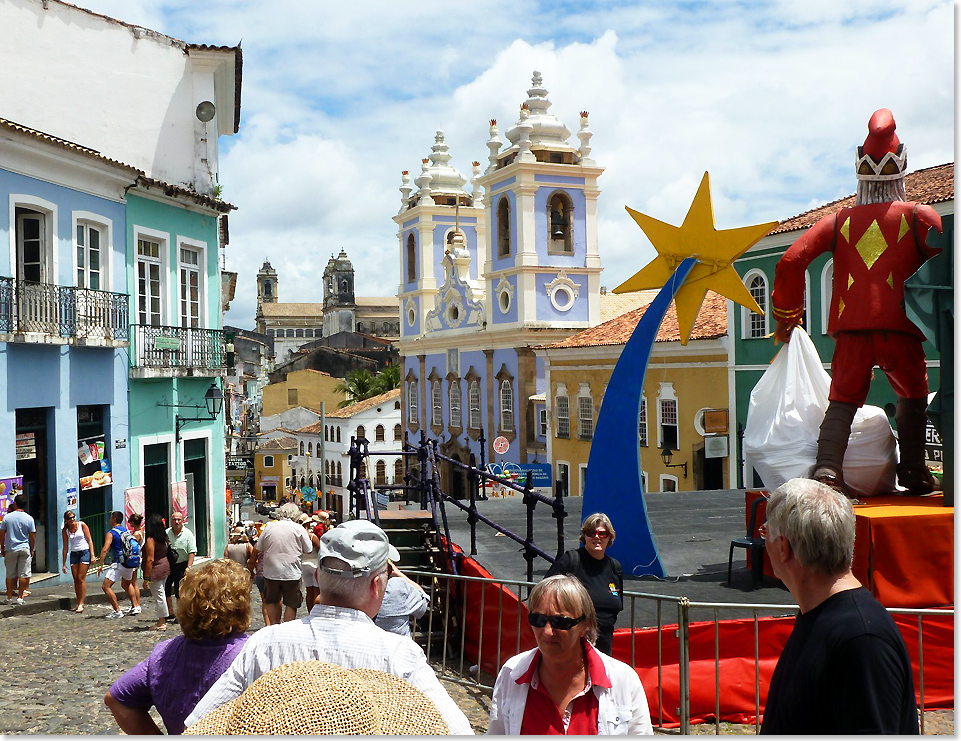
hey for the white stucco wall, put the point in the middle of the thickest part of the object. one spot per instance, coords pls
(133, 92)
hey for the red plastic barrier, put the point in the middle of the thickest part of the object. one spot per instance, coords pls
(735, 652)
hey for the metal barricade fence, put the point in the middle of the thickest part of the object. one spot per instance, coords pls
(455, 638)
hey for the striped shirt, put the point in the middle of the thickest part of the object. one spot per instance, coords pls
(337, 635)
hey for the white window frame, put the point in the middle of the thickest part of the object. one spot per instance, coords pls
(827, 293)
(506, 405)
(456, 419)
(163, 238)
(746, 314)
(562, 465)
(412, 411)
(474, 422)
(666, 393)
(642, 420)
(436, 404)
(665, 478)
(268, 461)
(201, 267)
(582, 478)
(50, 236)
(563, 420)
(89, 219)
(543, 422)
(644, 482)
(585, 422)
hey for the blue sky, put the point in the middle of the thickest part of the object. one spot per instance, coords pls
(770, 97)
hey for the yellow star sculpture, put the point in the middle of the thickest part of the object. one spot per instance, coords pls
(714, 250)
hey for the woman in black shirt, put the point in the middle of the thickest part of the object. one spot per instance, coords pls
(599, 573)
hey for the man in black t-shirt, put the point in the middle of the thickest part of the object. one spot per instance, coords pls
(845, 668)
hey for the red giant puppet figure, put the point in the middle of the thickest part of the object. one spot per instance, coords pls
(878, 244)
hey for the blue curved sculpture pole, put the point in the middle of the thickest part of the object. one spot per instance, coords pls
(614, 483)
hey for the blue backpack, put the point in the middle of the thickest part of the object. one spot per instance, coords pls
(129, 550)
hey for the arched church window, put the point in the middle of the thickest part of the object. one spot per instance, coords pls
(559, 214)
(411, 259)
(503, 227)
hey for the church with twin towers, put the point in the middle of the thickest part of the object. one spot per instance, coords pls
(488, 274)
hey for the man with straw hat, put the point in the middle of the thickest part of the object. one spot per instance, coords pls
(312, 698)
(340, 630)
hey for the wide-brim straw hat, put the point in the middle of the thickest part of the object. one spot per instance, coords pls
(316, 698)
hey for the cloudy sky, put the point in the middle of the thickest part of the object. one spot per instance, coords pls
(769, 97)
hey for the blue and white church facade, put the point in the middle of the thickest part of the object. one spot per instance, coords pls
(489, 274)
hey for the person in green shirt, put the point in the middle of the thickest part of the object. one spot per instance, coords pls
(184, 545)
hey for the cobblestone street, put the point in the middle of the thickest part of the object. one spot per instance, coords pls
(59, 665)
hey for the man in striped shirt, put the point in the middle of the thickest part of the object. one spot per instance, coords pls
(340, 629)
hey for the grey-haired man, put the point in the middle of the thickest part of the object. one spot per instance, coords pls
(340, 629)
(845, 668)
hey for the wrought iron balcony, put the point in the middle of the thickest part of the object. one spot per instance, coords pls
(44, 312)
(177, 351)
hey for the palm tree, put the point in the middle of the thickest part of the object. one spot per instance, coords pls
(358, 385)
(388, 379)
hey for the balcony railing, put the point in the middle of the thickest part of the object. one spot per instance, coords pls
(185, 349)
(63, 312)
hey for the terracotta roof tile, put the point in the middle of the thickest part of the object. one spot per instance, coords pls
(930, 185)
(363, 406)
(616, 304)
(279, 443)
(710, 324)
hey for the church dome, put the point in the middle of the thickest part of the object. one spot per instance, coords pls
(546, 130)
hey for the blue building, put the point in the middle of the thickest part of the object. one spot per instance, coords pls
(488, 275)
(64, 328)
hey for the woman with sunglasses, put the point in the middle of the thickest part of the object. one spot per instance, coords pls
(79, 545)
(599, 573)
(565, 686)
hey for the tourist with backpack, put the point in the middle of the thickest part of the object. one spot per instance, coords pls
(125, 552)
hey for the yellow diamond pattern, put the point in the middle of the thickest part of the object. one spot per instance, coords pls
(840, 307)
(871, 245)
(891, 279)
(904, 228)
(850, 281)
(846, 229)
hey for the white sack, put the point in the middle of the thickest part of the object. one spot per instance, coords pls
(784, 419)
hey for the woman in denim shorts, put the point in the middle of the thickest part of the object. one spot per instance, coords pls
(78, 543)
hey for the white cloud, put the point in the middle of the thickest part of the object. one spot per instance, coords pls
(770, 97)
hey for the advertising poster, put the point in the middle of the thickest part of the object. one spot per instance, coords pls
(9, 488)
(178, 498)
(133, 501)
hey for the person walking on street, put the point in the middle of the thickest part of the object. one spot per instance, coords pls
(18, 541)
(113, 544)
(341, 630)
(184, 545)
(284, 544)
(156, 567)
(135, 528)
(79, 545)
(845, 668)
(239, 548)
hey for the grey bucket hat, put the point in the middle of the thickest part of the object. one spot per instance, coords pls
(359, 543)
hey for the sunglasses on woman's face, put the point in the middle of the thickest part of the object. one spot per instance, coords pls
(558, 622)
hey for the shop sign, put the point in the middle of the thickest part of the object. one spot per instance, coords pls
(715, 447)
(166, 343)
(26, 446)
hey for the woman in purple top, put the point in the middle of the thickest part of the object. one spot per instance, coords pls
(214, 612)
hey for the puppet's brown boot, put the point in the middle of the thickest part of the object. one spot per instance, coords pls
(913, 473)
(832, 443)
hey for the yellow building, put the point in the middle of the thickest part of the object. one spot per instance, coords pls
(302, 388)
(684, 407)
(272, 476)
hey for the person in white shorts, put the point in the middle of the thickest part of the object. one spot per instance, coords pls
(116, 570)
(18, 539)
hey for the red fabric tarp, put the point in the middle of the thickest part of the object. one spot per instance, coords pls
(735, 646)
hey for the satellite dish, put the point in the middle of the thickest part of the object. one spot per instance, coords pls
(206, 111)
